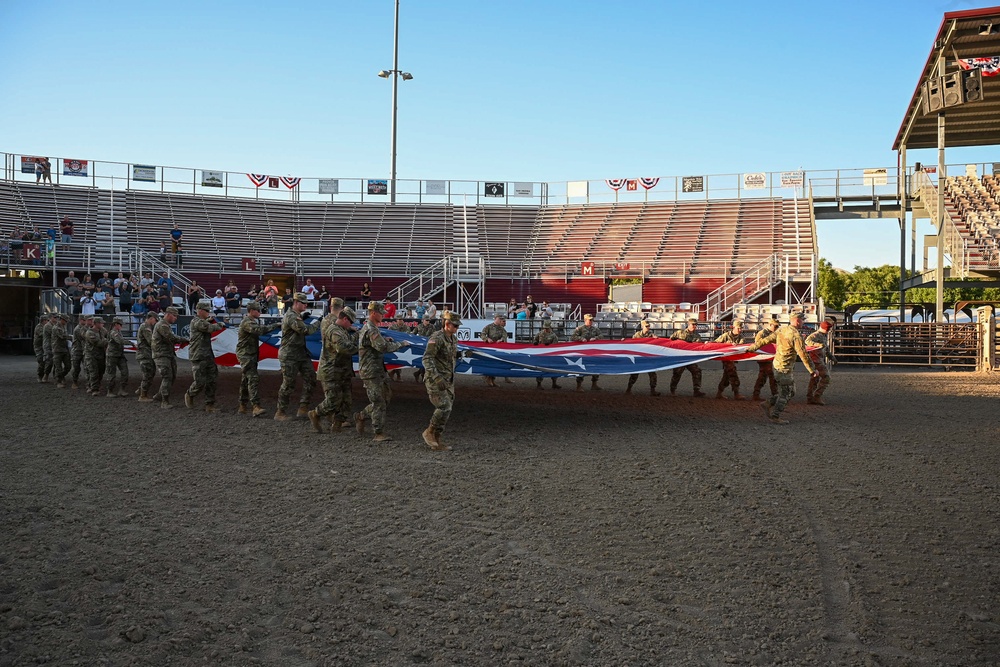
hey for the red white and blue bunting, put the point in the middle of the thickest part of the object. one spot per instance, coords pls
(989, 66)
(258, 179)
(291, 182)
(615, 183)
(649, 183)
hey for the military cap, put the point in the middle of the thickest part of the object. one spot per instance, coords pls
(349, 313)
(693, 320)
(253, 305)
(86, 317)
(204, 305)
(797, 315)
(301, 297)
(170, 310)
(502, 316)
(150, 314)
(426, 318)
(376, 307)
(737, 323)
(118, 320)
(336, 302)
(546, 323)
(588, 316)
(98, 319)
(645, 323)
(451, 316)
(64, 317)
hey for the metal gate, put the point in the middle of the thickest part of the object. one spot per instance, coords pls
(944, 345)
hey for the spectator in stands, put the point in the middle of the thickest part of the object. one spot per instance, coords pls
(17, 245)
(390, 309)
(432, 311)
(108, 302)
(322, 294)
(420, 310)
(232, 295)
(147, 279)
(175, 238)
(46, 171)
(287, 299)
(163, 251)
(531, 306)
(269, 296)
(152, 305)
(366, 292)
(88, 306)
(51, 234)
(309, 290)
(512, 307)
(118, 282)
(87, 284)
(105, 283)
(219, 303)
(126, 294)
(38, 171)
(179, 256)
(138, 307)
(72, 285)
(166, 301)
(67, 230)
(252, 292)
(194, 295)
(546, 311)
(165, 281)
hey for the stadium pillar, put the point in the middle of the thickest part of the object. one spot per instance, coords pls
(901, 182)
(939, 274)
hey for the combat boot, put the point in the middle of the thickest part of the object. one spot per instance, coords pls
(188, 401)
(75, 386)
(579, 384)
(60, 385)
(766, 407)
(336, 425)
(555, 385)
(653, 392)
(775, 419)
(737, 396)
(538, 383)
(430, 437)
(698, 393)
(122, 393)
(718, 394)
(438, 445)
(210, 407)
(280, 416)
(815, 400)
(144, 397)
(756, 396)
(258, 411)
(111, 394)
(359, 422)
(314, 419)
(382, 437)
(303, 411)
(242, 409)
(628, 387)
(166, 405)
(594, 386)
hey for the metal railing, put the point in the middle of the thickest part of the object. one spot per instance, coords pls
(938, 345)
(956, 246)
(744, 287)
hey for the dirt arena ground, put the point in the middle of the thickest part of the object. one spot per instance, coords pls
(565, 529)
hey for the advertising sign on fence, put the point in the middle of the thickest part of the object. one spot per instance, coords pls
(792, 179)
(329, 186)
(28, 164)
(74, 167)
(755, 181)
(378, 186)
(524, 190)
(141, 172)
(693, 184)
(876, 177)
(435, 188)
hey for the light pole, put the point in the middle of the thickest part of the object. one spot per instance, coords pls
(395, 73)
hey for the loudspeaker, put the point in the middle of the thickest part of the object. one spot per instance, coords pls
(933, 99)
(951, 89)
(972, 85)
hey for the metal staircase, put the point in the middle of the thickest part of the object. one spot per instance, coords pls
(956, 247)
(465, 273)
(110, 231)
(753, 282)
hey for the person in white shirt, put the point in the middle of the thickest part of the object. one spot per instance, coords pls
(309, 289)
(219, 303)
(87, 304)
(432, 311)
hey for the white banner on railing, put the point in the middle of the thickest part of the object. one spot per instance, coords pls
(329, 186)
(876, 177)
(755, 181)
(211, 179)
(74, 167)
(523, 190)
(141, 172)
(578, 189)
(435, 187)
(792, 179)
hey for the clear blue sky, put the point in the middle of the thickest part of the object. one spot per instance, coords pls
(550, 90)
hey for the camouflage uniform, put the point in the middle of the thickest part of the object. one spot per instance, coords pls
(401, 328)
(493, 333)
(425, 329)
(730, 378)
(144, 356)
(248, 353)
(336, 370)
(116, 362)
(545, 337)
(37, 342)
(47, 346)
(586, 332)
(79, 344)
(295, 360)
(788, 345)
(371, 350)
(632, 379)
(439, 363)
(695, 369)
(765, 371)
(817, 385)
(94, 355)
(203, 366)
(165, 358)
(60, 352)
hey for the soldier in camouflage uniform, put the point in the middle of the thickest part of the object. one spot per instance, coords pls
(765, 370)
(730, 378)
(495, 333)
(372, 347)
(248, 353)
(38, 344)
(400, 326)
(426, 329)
(60, 350)
(94, 355)
(688, 335)
(79, 345)
(203, 366)
(439, 364)
(820, 357)
(116, 362)
(295, 358)
(47, 344)
(336, 370)
(645, 331)
(165, 356)
(546, 337)
(788, 345)
(587, 332)
(144, 356)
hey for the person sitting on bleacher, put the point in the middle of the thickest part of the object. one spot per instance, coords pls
(219, 303)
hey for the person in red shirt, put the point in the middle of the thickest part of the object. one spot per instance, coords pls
(390, 310)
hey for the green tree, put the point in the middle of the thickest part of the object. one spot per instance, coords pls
(832, 285)
(876, 287)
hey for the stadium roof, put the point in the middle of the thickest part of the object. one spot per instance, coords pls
(973, 33)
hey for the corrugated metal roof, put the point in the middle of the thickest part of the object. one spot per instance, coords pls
(969, 124)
